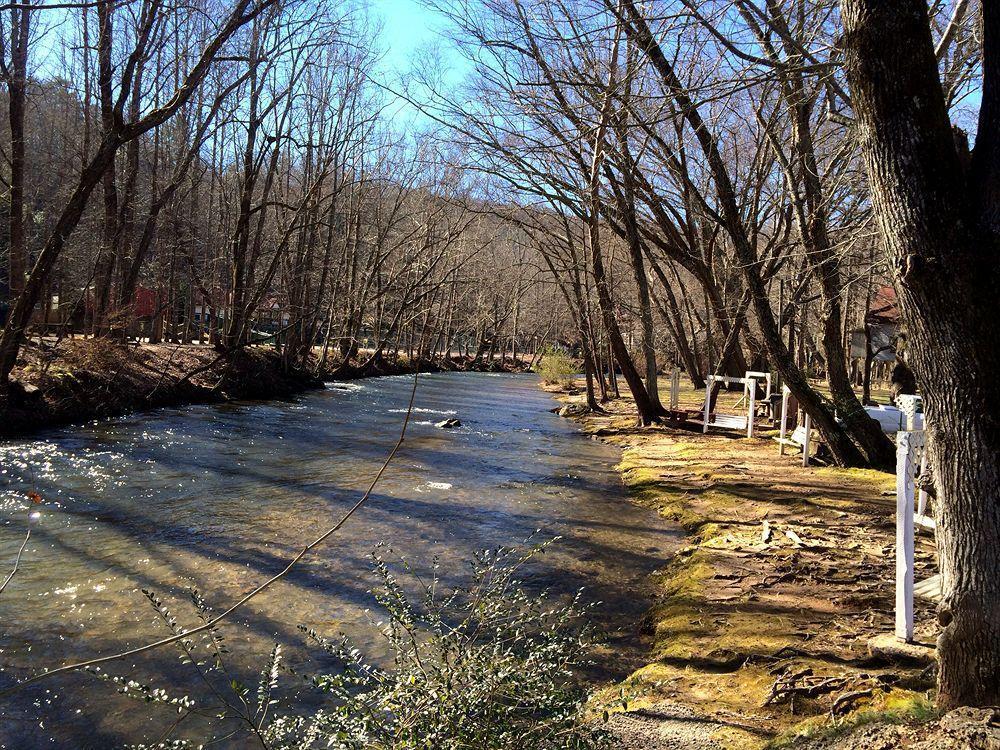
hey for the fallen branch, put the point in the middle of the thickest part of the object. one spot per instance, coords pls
(17, 561)
(803, 684)
(845, 701)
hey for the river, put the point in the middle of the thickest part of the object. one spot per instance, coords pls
(220, 497)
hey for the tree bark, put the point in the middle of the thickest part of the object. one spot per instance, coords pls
(20, 27)
(939, 228)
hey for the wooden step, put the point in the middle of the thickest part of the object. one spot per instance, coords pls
(929, 589)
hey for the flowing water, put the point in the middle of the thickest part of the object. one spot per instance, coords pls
(218, 498)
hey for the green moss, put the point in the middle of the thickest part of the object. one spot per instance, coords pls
(707, 637)
(893, 707)
(878, 481)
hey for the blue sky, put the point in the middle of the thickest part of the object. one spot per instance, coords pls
(408, 26)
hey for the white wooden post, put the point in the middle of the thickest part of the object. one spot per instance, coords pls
(751, 386)
(768, 394)
(904, 535)
(909, 405)
(675, 388)
(708, 401)
(783, 429)
(805, 446)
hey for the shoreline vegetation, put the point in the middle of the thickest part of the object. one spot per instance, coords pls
(773, 622)
(85, 379)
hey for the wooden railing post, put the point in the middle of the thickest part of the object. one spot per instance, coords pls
(708, 401)
(905, 444)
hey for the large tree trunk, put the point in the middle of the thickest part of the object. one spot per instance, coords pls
(108, 257)
(813, 228)
(647, 411)
(626, 198)
(940, 232)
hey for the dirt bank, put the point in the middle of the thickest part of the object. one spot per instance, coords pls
(89, 379)
(83, 379)
(762, 635)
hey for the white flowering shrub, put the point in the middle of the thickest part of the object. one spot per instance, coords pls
(488, 665)
(485, 666)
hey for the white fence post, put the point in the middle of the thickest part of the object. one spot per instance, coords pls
(708, 401)
(805, 447)
(751, 386)
(906, 444)
(909, 406)
(783, 428)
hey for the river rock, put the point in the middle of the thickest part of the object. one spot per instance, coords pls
(573, 410)
(448, 424)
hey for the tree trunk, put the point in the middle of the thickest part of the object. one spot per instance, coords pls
(940, 232)
(107, 257)
(16, 85)
(844, 451)
(644, 406)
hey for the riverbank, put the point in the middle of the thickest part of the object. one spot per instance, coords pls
(84, 379)
(767, 626)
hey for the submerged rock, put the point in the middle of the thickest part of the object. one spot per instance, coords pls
(448, 424)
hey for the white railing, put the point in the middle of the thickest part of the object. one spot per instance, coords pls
(911, 512)
(801, 436)
(912, 407)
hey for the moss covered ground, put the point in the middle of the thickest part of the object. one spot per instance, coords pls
(764, 617)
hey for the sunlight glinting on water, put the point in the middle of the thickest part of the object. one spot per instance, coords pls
(218, 498)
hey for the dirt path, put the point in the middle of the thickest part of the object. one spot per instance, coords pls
(765, 619)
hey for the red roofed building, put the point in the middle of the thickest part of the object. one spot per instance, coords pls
(882, 324)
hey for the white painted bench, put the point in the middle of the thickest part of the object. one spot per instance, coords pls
(727, 421)
(796, 440)
(734, 421)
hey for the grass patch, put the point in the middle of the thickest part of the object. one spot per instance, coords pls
(894, 707)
